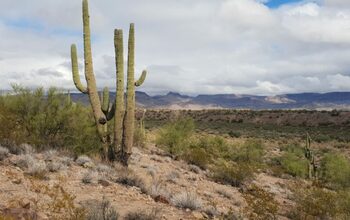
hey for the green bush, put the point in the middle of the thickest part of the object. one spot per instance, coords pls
(294, 165)
(335, 170)
(318, 203)
(139, 136)
(46, 121)
(213, 145)
(174, 136)
(198, 157)
(251, 152)
(231, 173)
(314, 203)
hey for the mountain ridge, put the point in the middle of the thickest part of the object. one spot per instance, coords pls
(174, 100)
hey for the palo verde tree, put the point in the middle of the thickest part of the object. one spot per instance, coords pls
(120, 146)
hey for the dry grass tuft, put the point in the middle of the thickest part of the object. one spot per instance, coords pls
(187, 200)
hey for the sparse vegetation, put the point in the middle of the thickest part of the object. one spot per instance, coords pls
(187, 200)
(83, 160)
(37, 169)
(231, 173)
(320, 203)
(103, 210)
(335, 170)
(4, 153)
(88, 177)
(129, 178)
(143, 215)
(260, 204)
(175, 136)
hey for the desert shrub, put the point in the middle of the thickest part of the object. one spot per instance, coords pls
(251, 152)
(140, 137)
(214, 145)
(174, 136)
(102, 211)
(260, 204)
(102, 168)
(82, 160)
(37, 169)
(129, 178)
(20, 149)
(55, 166)
(335, 170)
(46, 120)
(24, 161)
(88, 177)
(232, 174)
(314, 203)
(62, 204)
(197, 156)
(4, 153)
(292, 162)
(343, 203)
(143, 215)
(225, 193)
(172, 176)
(294, 165)
(66, 161)
(187, 200)
(155, 189)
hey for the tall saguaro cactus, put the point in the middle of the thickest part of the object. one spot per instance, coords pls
(129, 117)
(119, 99)
(123, 116)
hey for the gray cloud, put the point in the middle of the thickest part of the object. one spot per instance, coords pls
(198, 46)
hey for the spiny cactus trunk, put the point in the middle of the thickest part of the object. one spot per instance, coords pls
(119, 98)
(128, 124)
(91, 89)
(309, 155)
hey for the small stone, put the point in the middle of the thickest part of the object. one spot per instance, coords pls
(161, 199)
(17, 181)
(197, 215)
(104, 183)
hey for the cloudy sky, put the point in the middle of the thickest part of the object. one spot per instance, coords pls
(188, 46)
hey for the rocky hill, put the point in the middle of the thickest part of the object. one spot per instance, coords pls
(327, 101)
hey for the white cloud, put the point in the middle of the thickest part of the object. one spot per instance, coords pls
(198, 46)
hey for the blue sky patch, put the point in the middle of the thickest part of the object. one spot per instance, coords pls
(23, 23)
(277, 3)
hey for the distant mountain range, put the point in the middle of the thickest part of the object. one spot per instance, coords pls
(172, 100)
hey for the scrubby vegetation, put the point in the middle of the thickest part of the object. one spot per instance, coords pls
(45, 120)
(48, 121)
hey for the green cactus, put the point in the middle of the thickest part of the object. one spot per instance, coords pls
(119, 98)
(123, 118)
(100, 112)
(309, 155)
(129, 116)
(142, 124)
